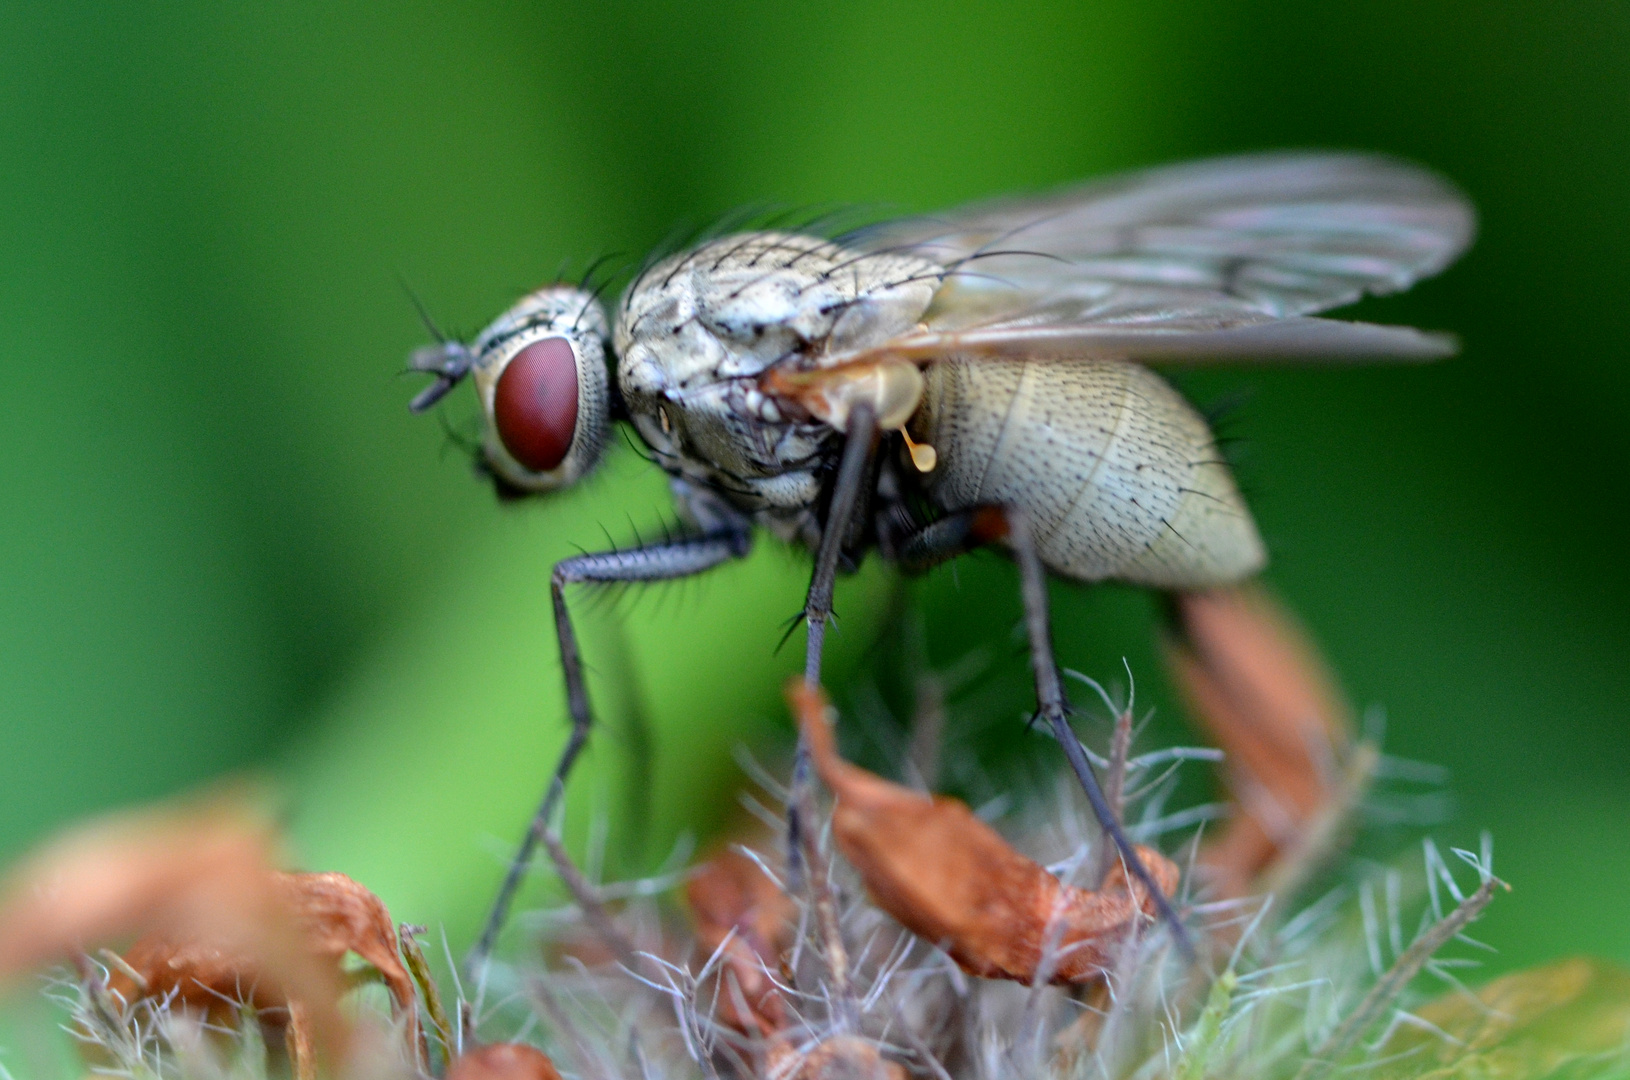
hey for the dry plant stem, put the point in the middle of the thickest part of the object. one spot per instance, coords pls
(826, 908)
(588, 901)
(1120, 746)
(1050, 697)
(413, 956)
(927, 729)
(1390, 985)
(298, 1040)
(96, 989)
(115, 962)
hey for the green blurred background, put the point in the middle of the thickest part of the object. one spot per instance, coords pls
(226, 545)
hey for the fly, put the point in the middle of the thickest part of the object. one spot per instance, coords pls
(931, 385)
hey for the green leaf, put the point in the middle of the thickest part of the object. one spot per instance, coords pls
(1567, 1020)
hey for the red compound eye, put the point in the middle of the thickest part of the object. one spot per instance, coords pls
(535, 404)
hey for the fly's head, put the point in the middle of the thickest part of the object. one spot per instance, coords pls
(698, 332)
(540, 374)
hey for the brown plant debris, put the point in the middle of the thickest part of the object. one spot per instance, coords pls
(952, 880)
(219, 925)
(1258, 686)
(841, 1057)
(332, 915)
(503, 1061)
(739, 912)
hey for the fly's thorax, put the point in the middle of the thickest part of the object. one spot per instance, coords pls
(541, 376)
(1121, 477)
(697, 333)
(738, 304)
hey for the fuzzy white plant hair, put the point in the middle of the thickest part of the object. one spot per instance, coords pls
(1298, 983)
(1280, 995)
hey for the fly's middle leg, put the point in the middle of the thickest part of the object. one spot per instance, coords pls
(846, 499)
(853, 469)
(654, 562)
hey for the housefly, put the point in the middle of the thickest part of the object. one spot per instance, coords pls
(926, 386)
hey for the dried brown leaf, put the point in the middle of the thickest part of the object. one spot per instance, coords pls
(1255, 682)
(952, 880)
(134, 871)
(219, 924)
(503, 1061)
(337, 915)
(738, 908)
(841, 1057)
(331, 915)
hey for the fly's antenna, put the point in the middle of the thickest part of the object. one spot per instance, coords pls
(448, 360)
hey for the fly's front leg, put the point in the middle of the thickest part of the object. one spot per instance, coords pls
(965, 530)
(654, 562)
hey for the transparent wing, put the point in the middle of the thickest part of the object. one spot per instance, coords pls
(1220, 259)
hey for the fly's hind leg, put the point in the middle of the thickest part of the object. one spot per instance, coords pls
(653, 562)
(965, 530)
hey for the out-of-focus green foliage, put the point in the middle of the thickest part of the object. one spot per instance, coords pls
(1566, 1019)
(226, 544)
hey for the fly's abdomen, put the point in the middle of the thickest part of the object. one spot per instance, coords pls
(1120, 476)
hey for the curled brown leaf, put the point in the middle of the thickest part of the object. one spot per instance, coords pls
(739, 911)
(1255, 682)
(952, 880)
(331, 915)
(218, 923)
(193, 865)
